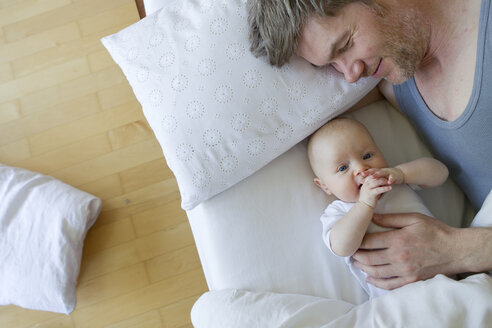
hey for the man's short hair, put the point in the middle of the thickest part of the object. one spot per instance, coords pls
(275, 25)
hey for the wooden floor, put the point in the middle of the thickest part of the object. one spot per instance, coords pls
(67, 110)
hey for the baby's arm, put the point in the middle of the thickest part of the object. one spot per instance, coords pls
(348, 232)
(426, 172)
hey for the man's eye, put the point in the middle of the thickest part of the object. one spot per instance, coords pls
(342, 168)
(367, 156)
(345, 47)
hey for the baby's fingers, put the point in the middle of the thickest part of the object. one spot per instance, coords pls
(376, 182)
(392, 179)
(370, 171)
(380, 174)
(381, 190)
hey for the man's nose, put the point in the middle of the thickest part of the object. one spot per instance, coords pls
(352, 70)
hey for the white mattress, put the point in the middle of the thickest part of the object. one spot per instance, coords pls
(264, 234)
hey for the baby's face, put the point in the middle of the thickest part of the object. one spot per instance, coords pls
(341, 157)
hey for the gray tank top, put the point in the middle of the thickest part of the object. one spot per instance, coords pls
(465, 144)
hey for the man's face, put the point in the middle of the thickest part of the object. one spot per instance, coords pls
(358, 42)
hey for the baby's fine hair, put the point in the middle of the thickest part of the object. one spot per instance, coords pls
(333, 126)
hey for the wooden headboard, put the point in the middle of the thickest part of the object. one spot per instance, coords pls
(141, 8)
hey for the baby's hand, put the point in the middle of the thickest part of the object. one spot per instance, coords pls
(372, 188)
(393, 174)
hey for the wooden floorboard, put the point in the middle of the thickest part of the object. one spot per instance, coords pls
(67, 110)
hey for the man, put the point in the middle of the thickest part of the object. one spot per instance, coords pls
(432, 69)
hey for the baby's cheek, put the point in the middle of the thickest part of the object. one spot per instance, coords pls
(352, 195)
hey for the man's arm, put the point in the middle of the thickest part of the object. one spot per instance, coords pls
(420, 248)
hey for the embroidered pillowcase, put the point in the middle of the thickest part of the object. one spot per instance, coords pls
(219, 113)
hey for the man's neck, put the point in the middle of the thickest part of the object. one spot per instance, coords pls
(450, 22)
(445, 75)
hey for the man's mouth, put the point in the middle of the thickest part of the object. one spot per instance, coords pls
(377, 72)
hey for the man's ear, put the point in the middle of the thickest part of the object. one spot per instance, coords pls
(322, 186)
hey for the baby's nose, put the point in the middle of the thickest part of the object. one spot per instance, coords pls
(360, 169)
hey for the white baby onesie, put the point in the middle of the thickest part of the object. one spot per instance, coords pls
(401, 199)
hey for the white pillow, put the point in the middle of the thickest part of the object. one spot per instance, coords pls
(219, 113)
(151, 6)
(43, 224)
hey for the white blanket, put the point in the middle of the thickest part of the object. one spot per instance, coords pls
(438, 302)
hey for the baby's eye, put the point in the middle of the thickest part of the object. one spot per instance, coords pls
(342, 168)
(367, 156)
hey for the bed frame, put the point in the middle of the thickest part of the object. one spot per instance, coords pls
(141, 8)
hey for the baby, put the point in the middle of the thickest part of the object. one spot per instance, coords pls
(348, 165)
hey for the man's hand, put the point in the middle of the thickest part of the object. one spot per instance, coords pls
(394, 175)
(421, 248)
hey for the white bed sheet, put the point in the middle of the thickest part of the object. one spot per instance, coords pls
(264, 233)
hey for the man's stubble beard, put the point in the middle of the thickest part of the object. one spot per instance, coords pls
(405, 43)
